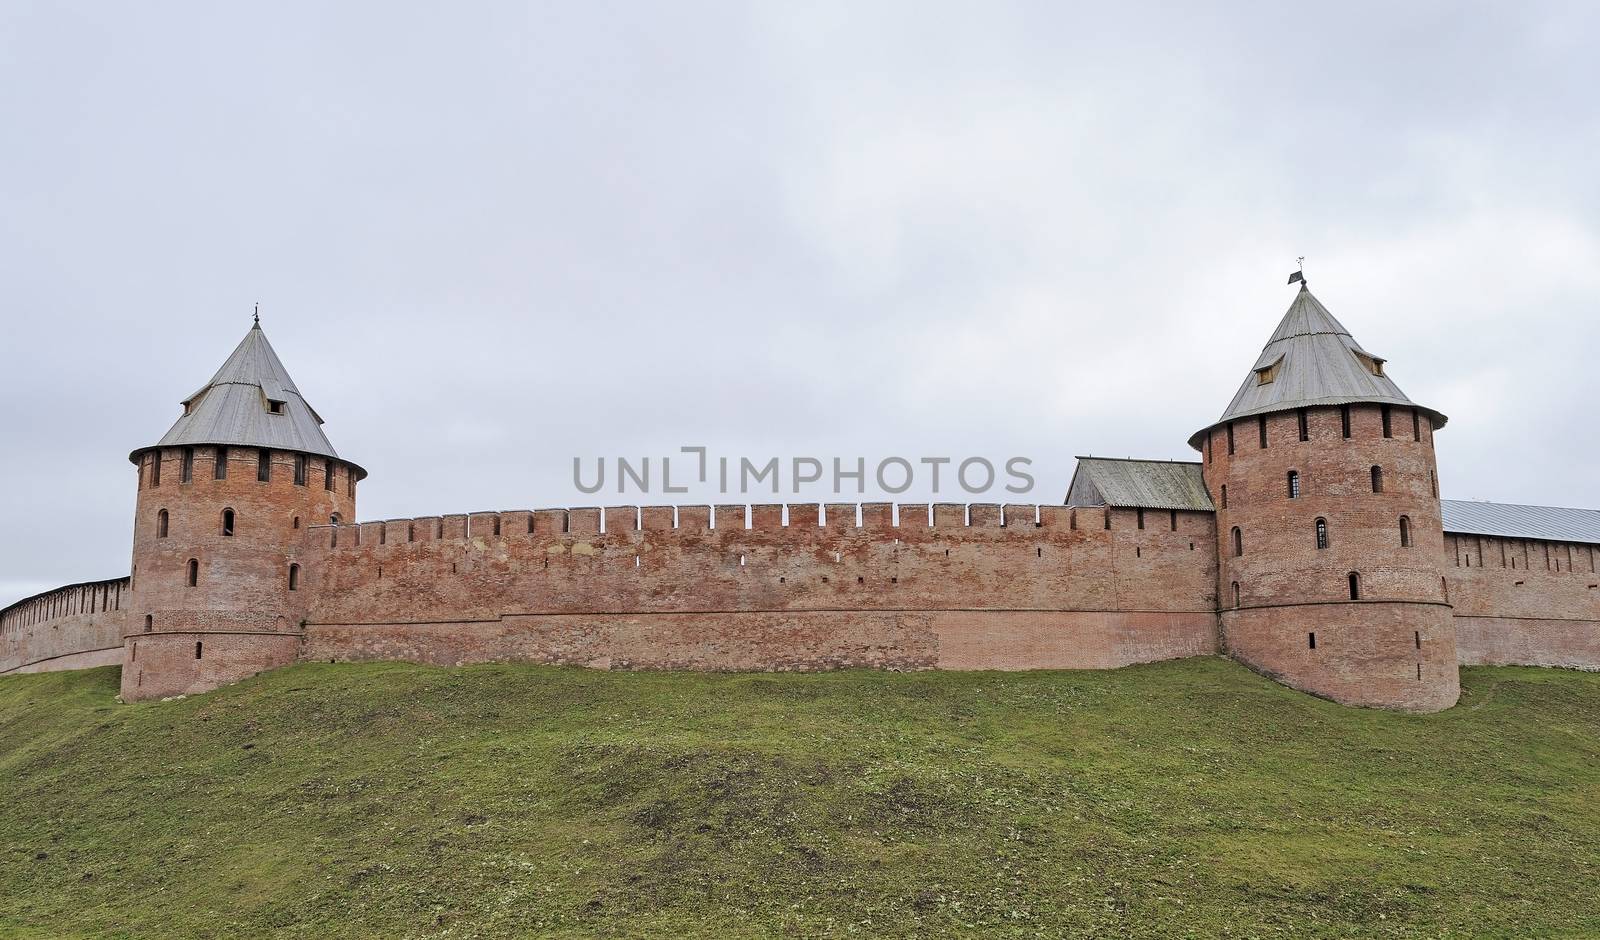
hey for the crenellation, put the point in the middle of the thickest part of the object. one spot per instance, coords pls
(730, 517)
(483, 525)
(621, 520)
(983, 515)
(804, 515)
(877, 517)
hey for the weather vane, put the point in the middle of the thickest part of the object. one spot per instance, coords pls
(258, 314)
(1300, 275)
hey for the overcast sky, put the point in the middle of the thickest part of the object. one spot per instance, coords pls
(488, 238)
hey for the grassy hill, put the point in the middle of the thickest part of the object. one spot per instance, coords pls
(1181, 799)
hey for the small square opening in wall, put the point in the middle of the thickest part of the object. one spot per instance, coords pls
(1311, 640)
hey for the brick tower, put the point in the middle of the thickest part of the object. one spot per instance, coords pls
(224, 499)
(1329, 536)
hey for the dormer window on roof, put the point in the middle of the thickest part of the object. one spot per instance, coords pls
(1267, 373)
(1373, 363)
(275, 407)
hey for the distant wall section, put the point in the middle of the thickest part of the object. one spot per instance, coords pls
(74, 627)
(1523, 601)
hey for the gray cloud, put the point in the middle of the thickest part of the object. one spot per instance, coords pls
(487, 240)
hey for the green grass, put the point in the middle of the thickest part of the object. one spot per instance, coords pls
(1185, 799)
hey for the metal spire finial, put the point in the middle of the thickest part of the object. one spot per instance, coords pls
(1300, 275)
(258, 314)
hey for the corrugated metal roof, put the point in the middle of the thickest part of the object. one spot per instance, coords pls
(1141, 484)
(234, 407)
(1508, 520)
(1319, 366)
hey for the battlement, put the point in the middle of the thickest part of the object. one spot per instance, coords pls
(801, 519)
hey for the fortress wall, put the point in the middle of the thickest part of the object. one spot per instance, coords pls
(767, 586)
(1524, 602)
(74, 627)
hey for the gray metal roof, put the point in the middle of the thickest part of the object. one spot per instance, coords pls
(1141, 484)
(1507, 520)
(233, 407)
(1317, 365)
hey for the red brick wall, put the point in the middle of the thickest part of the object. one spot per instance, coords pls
(1289, 588)
(1524, 602)
(74, 627)
(997, 591)
(157, 665)
(242, 588)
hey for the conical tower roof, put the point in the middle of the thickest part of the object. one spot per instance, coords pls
(250, 402)
(1312, 360)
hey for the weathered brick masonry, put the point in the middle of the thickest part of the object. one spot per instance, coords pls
(1522, 601)
(1291, 550)
(1308, 543)
(1013, 588)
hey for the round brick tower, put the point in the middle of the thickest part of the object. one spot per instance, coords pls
(224, 501)
(1330, 542)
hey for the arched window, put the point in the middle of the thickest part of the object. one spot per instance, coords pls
(294, 577)
(333, 519)
(1294, 484)
(161, 524)
(295, 522)
(1238, 542)
(199, 648)
(1377, 479)
(1355, 586)
(1235, 595)
(227, 522)
(1224, 496)
(194, 571)
(1405, 532)
(149, 623)
(1322, 533)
